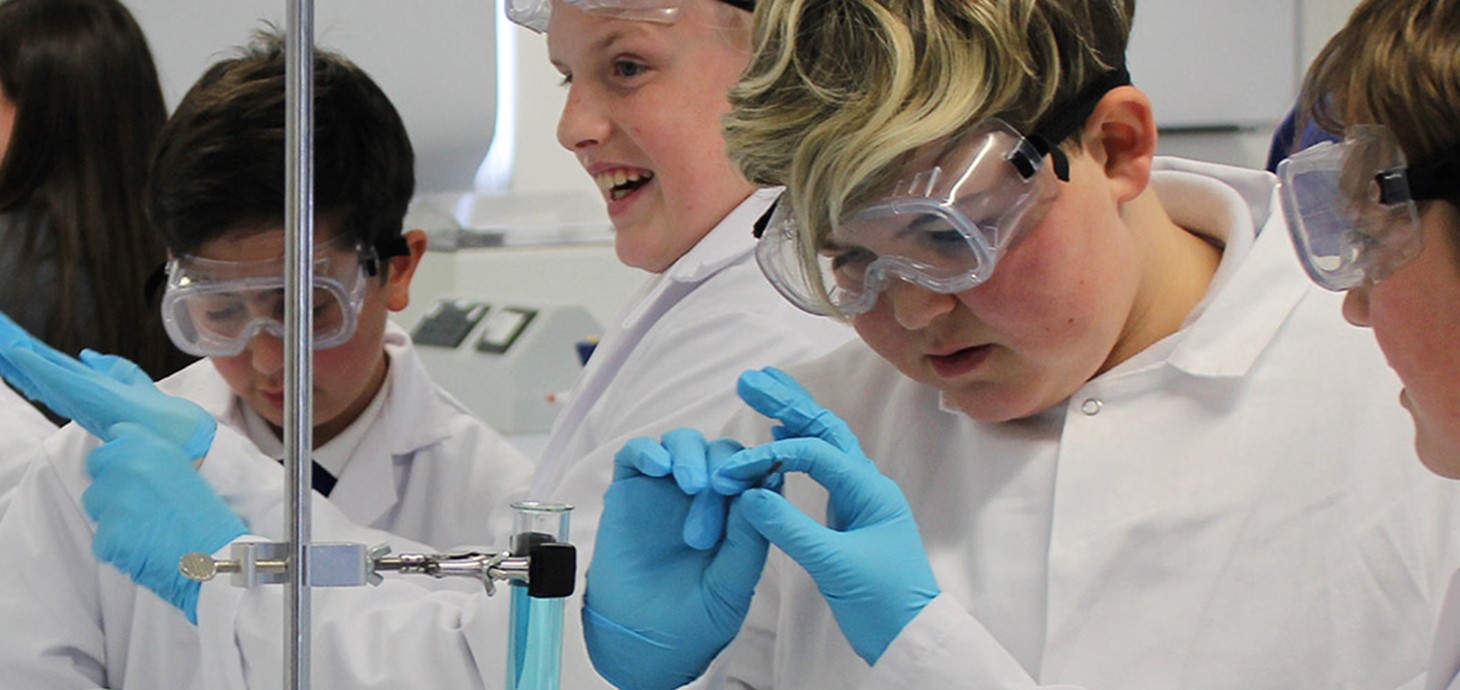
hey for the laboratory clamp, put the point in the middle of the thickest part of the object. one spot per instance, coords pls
(540, 565)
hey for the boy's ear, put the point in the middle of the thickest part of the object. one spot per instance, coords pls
(403, 269)
(1121, 135)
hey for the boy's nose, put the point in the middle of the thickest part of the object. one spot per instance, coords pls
(581, 124)
(916, 307)
(266, 352)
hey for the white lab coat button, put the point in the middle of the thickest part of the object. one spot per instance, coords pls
(1091, 406)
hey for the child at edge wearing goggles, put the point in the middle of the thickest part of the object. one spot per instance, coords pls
(1378, 216)
(1143, 452)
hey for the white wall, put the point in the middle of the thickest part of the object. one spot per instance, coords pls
(434, 60)
(1316, 21)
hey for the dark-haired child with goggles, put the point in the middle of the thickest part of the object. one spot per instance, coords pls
(1377, 215)
(216, 308)
(90, 587)
(1100, 430)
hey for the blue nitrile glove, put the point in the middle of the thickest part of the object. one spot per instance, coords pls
(869, 561)
(657, 611)
(100, 391)
(151, 508)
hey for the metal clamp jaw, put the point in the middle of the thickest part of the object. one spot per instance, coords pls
(547, 570)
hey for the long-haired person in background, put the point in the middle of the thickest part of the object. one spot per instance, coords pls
(80, 107)
(1378, 216)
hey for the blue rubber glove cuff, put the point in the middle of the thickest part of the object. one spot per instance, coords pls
(647, 669)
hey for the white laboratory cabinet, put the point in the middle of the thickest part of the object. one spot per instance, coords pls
(511, 363)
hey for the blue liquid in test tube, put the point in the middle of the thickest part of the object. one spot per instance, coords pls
(535, 640)
(535, 650)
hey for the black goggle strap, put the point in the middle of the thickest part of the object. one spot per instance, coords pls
(1062, 121)
(152, 289)
(1436, 177)
(384, 249)
(765, 219)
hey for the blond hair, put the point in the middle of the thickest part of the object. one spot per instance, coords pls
(1395, 63)
(840, 91)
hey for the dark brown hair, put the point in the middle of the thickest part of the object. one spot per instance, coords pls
(221, 160)
(88, 109)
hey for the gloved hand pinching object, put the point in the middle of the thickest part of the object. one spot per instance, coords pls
(656, 610)
(151, 508)
(869, 561)
(100, 391)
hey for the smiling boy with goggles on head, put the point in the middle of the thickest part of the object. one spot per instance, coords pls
(535, 14)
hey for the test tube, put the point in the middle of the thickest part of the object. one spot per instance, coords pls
(535, 642)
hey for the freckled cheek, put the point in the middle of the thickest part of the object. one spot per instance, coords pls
(884, 336)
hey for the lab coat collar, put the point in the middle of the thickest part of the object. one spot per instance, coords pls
(1444, 671)
(726, 243)
(412, 415)
(729, 242)
(1256, 285)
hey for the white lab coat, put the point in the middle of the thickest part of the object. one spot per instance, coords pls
(672, 361)
(21, 431)
(1236, 507)
(417, 463)
(1444, 669)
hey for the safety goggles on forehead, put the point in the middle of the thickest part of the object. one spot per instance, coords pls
(943, 228)
(215, 308)
(1350, 205)
(535, 14)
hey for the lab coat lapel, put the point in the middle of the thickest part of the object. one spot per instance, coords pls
(412, 418)
(727, 243)
(1444, 671)
(367, 490)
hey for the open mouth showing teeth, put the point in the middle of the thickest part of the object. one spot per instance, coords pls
(621, 183)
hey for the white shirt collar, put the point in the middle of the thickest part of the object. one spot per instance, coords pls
(335, 455)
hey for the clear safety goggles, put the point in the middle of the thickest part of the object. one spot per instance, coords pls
(1350, 205)
(944, 228)
(215, 308)
(535, 14)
